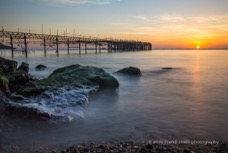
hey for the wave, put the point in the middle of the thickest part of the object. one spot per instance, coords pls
(63, 104)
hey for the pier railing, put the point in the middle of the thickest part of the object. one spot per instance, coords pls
(112, 45)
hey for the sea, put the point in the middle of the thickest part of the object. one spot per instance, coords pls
(187, 102)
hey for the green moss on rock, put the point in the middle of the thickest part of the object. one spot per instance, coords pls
(7, 65)
(74, 76)
(4, 82)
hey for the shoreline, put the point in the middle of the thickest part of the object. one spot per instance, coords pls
(127, 146)
(150, 146)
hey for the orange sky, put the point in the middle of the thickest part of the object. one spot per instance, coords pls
(165, 23)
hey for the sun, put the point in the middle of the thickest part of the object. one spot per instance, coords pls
(198, 47)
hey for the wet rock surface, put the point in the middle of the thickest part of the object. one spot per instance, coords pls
(7, 65)
(68, 77)
(40, 67)
(130, 71)
(23, 67)
(93, 74)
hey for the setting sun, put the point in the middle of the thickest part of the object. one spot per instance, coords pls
(198, 47)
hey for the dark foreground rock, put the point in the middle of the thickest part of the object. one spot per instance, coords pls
(40, 67)
(2, 97)
(11, 77)
(7, 65)
(4, 84)
(130, 71)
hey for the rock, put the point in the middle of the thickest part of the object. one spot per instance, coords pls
(7, 65)
(149, 146)
(130, 71)
(70, 77)
(93, 74)
(167, 68)
(40, 97)
(23, 67)
(40, 67)
(4, 84)
(16, 97)
(222, 147)
(3, 97)
(17, 79)
(27, 111)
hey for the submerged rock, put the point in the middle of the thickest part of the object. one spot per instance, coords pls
(130, 71)
(40, 67)
(167, 68)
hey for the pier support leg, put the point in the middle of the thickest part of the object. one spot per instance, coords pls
(85, 48)
(99, 48)
(68, 46)
(96, 47)
(57, 45)
(11, 44)
(26, 47)
(45, 51)
(79, 43)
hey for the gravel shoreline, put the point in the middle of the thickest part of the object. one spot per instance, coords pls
(141, 147)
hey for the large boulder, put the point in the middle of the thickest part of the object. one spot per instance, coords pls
(93, 74)
(7, 65)
(74, 76)
(130, 71)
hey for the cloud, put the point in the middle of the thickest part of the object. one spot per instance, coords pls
(142, 17)
(99, 2)
(171, 18)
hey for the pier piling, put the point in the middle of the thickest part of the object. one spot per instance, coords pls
(26, 47)
(11, 44)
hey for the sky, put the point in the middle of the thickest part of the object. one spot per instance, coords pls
(164, 23)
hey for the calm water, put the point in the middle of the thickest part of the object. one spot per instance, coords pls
(188, 102)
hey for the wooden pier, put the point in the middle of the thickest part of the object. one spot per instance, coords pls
(112, 45)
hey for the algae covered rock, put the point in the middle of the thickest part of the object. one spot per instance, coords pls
(130, 71)
(17, 79)
(4, 84)
(71, 76)
(93, 74)
(7, 65)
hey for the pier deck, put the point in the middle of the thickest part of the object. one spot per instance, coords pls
(112, 45)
